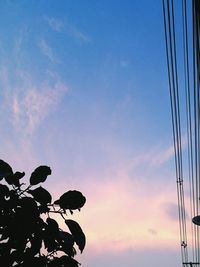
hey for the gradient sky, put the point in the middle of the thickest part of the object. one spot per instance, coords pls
(84, 90)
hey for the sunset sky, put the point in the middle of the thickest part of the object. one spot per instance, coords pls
(84, 90)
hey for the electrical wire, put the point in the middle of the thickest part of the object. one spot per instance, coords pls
(192, 113)
(191, 77)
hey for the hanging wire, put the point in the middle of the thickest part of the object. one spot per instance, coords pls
(191, 77)
(196, 111)
(171, 49)
(189, 125)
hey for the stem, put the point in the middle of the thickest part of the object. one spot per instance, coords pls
(57, 211)
(25, 190)
(62, 215)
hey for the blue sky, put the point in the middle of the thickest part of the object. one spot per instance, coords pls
(84, 90)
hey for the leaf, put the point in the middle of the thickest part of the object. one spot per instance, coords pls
(66, 242)
(53, 227)
(49, 241)
(4, 191)
(5, 169)
(44, 209)
(51, 234)
(36, 244)
(29, 207)
(13, 179)
(39, 175)
(34, 262)
(68, 262)
(71, 200)
(41, 195)
(19, 175)
(55, 262)
(16, 256)
(79, 236)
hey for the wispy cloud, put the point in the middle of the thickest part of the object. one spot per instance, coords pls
(28, 104)
(47, 50)
(38, 103)
(162, 156)
(33, 107)
(22, 35)
(152, 158)
(68, 27)
(76, 33)
(55, 24)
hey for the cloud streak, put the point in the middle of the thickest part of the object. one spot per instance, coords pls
(68, 27)
(77, 34)
(28, 104)
(55, 24)
(47, 51)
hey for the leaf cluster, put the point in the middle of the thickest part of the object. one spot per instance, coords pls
(29, 235)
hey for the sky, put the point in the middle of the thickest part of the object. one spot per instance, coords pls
(84, 90)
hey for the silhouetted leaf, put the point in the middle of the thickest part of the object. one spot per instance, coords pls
(17, 256)
(66, 242)
(13, 201)
(4, 191)
(55, 263)
(41, 195)
(36, 244)
(29, 208)
(63, 261)
(35, 262)
(13, 179)
(53, 226)
(40, 175)
(24, 234)
(19, 175)
(51, 234)
(44, 209)
(49, 242)
(28, 203)
(17, 240)
(6, 260)
(71, 200)
(68, 262)
(5, 169)
(79, 236)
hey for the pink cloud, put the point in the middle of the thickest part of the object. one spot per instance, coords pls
(118, 217)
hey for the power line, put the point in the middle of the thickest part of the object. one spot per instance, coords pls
(192, 114)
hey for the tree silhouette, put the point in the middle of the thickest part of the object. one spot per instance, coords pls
(29, 237)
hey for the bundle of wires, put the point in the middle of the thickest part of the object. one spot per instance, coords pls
(187, 84)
